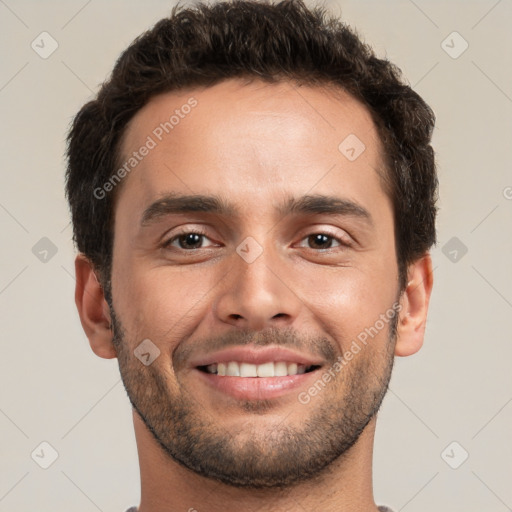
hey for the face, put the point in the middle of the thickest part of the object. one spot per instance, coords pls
(284, 268)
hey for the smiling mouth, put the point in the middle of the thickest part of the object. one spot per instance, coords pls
(270, 369)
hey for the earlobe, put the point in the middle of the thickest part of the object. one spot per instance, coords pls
(414, 307)
(93, 309)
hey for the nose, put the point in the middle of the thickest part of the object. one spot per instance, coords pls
(259, 294)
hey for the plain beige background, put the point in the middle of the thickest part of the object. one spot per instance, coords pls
(457, 389)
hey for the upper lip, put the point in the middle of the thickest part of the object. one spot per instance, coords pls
(252, 355)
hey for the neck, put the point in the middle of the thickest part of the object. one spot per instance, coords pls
(166, 486)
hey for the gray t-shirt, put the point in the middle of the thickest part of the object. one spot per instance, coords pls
(381, 509)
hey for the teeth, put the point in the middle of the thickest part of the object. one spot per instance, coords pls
(292, 369)
(233, 369)
(280, 369)
(248, 370)
(265, 370)
(270, 369)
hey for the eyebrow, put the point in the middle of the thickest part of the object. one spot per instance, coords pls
(321, 204)
(177, 203)
(316, 204)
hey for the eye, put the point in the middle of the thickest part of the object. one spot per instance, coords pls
(324, 241)
(188, 240)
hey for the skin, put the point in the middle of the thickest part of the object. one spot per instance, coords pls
(254, 144)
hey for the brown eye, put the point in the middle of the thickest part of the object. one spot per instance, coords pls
(320, 241)
(186, 241)
(190, 241)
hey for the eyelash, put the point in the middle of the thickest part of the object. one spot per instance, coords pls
(167, 244)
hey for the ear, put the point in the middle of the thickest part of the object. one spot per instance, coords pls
(414, 301)
(93, 309)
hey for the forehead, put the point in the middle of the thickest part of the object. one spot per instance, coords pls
(250, 140)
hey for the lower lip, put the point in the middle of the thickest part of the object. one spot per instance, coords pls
(256, 388)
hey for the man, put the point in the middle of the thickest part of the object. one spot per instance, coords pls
(253, 200)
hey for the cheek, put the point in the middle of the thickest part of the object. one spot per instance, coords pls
(161, 304)
(346, 301)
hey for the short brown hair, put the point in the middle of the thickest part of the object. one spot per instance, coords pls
(206, 44)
